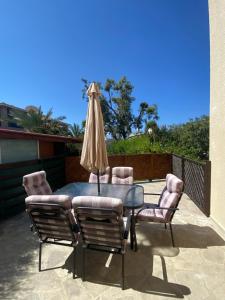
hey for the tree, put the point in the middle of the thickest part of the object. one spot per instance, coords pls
(76, 130)
(190, 139)
(116, 103)
(31, 120)
(35, 120)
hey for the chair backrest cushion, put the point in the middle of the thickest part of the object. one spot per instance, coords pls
(52, 216)
(36, 184)
(98, 202)
(103, 177)
(174, 184)
(62, 200)
(122, 175)
(100, 220)
(171, 195)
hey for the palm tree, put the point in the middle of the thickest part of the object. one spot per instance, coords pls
(76, 130)
(31, 120)
(36, 121)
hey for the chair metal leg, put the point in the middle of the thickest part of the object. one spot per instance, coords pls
(74, 262)
(122, 272)
(83, 267)
(40, 253)
(171, 232)
(165, 226)
(135, 240)
(131, 235)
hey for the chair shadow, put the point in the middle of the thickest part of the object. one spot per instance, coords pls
(185, 235)
(139, 265)
(138, 272)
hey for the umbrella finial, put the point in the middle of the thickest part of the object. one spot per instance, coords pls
(93, 88)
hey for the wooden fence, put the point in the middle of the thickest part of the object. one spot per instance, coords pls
(62, 170)
(12, 193)
(196, 177)
(146, 166)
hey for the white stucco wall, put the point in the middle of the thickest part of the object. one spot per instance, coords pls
(217, 109)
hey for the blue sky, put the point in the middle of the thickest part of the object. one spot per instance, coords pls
(162, 46)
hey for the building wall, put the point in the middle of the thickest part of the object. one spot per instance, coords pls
(12, 150)
(7, 119)
(17, 150)
(217, 109)
(3, 116)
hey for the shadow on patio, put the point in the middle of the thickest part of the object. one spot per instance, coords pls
(138, 272)
(18, 254)
(195, 266)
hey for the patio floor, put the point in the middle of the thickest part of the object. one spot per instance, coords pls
(194, 269)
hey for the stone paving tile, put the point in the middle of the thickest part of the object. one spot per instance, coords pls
(194, 269)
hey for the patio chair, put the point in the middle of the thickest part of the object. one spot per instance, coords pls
(103, 177)
(122, 175)
(36, 184)
(102, 226)
(53, 221)
(163, 212)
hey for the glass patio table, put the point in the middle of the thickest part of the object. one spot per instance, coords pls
(131, 195)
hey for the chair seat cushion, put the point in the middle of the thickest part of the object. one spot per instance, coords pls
(150, 213)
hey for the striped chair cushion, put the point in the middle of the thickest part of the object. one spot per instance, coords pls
(98, 202)
(174, 184)
(62, 200)
(36, 184)
(101, 220)
(52, 216)
(122, 175)
(103, 178)
(150, 214)
(168, 199)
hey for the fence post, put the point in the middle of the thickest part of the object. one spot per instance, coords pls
(207, 187)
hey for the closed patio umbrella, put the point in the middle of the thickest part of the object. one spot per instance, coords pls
(94, 155)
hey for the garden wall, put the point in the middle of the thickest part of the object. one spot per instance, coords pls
(12, 193)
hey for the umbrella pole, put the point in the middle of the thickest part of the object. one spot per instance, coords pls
(98, 182)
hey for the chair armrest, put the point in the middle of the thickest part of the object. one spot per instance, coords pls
(127, 228)
(168, 208)
(154, 206)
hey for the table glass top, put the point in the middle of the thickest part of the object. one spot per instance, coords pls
(131, 195)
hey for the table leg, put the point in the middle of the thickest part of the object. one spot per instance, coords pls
(131, 233)
(133, 239)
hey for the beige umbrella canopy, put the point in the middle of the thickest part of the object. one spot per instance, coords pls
(94, 155)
